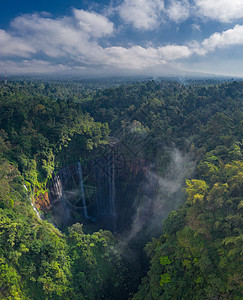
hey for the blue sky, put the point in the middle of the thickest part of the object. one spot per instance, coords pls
(122, 37)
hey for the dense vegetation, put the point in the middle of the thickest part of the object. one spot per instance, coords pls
(199, 254)
(45, 126)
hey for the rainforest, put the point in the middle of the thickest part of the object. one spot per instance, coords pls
(121, 190)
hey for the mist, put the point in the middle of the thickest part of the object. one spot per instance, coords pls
(160, 195)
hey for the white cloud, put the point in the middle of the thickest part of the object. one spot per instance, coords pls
(138, 57)
(174, 52)
(149, 14)
(178, 11)
(142, 14)
(94, 24)
(14, 46)
(73, 43)
(227, 38)
(60, 37)
(135, 57)
(76, 39)
(197, 48)
(32, 66)
(221, 10)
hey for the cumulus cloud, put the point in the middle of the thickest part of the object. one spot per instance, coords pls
(178, 11)
(221, 10)
(81, 40)
(132, 59)
(138, 57)
(59, 37)
(14, 46)
(135, 57)
(142, 14)
(94, 24)
(77, 38)
(227, 38)
(174, 52)
(149, 14)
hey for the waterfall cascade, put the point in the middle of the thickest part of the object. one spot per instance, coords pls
(104, 173)
(68, 194)
(113, 191)
(60, 210)
(82, 190)
(40, 216)
(36, 211)
(102, 191)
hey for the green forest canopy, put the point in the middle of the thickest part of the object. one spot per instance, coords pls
(199, 252)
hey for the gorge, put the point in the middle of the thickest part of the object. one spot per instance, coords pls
(142, 182)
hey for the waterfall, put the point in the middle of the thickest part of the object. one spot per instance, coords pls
(36, 211)
(102, 175)
(98, 178)
(67, 195)
(58, 189)
(112, 185)
(82, 190)
(40, 217)
(72, 190)
(60, 210)
(109, 166)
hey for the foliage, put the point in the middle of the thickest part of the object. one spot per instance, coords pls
(202, 258)
(44, 126)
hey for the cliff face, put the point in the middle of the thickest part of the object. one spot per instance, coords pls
(42, 202)
(101, 192)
